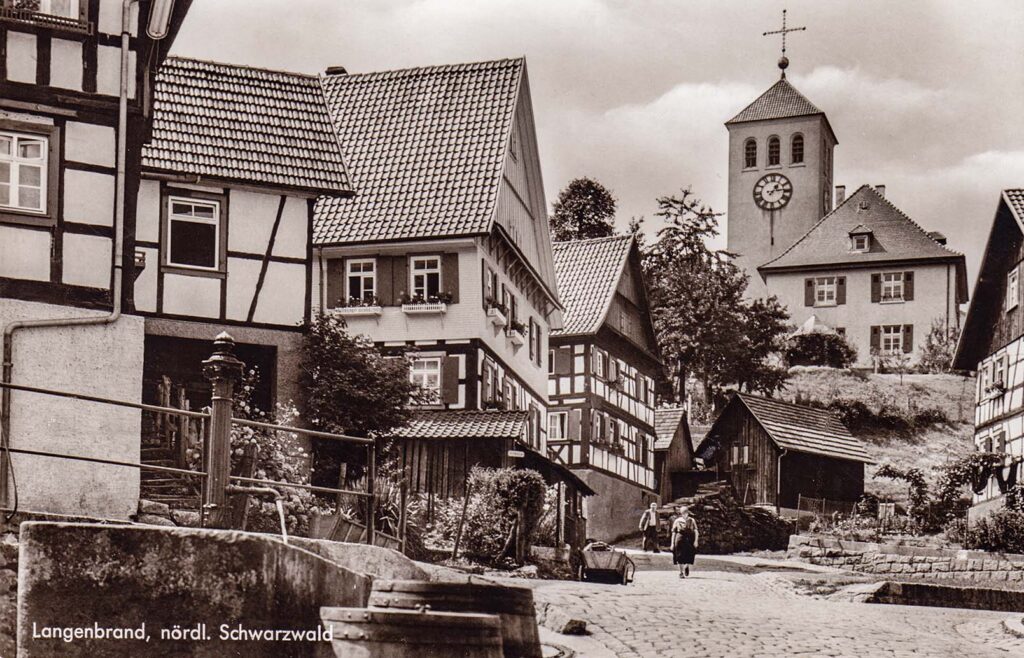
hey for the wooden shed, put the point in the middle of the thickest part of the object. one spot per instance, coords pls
(776, 452)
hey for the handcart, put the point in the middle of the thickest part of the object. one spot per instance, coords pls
(603, 564)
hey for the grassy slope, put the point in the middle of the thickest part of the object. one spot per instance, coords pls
(925, 449)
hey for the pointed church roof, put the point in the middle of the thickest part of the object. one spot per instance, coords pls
(781, 101)
(894, 237)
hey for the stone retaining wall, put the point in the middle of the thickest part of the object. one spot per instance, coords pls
(892, 559)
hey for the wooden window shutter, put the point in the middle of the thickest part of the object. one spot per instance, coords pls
(563, 361)
(575, 421)
(450, 275)
(876, 288)
(908, 338)
(486, 383)
(908, 286)
(450, 380)
(385, 284)
(533, 340)
(876, 337)
(613, 368)
(399, 278)
(336, 285)
(485, 276)
(840, 290)
(808, 292)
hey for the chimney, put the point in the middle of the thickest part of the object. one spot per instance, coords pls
(336, 70)
(840, 194)
(881, 190)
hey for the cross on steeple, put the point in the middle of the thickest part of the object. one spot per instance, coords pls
(784, 61)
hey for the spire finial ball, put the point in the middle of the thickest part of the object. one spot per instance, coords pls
(783, 62)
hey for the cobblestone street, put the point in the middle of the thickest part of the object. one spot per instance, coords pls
(724, 611)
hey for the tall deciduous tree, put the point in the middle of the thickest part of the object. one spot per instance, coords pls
(705, 326)
(585, 209)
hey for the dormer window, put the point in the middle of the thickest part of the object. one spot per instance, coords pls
(860, 238)
(774, 151)
(750, 153)
(797, 150)
(860, 242)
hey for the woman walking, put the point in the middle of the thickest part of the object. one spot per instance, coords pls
(685, 539)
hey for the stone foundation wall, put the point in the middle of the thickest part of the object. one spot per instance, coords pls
(891, 559)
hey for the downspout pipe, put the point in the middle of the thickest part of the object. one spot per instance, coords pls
(778, 481)
(118, 282)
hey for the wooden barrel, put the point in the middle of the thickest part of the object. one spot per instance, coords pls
(366, 633)
(514, 605)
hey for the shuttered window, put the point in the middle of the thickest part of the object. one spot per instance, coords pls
(558, 425)
(426, 373)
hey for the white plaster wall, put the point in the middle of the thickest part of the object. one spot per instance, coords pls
(250, 221)
(88, 197)
(104, 361)
(145, 285)
(192, 295)
(108, 71)
(859, 313)
(22, 56)
(90, 143)
(283, 297)
(147, 214)
(109, 21)
(293, 234)
(87, 260)
(243, 274)
(66, 64)
(24, 253)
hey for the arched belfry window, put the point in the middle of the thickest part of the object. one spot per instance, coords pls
(797, 149)
(750, 153)
(774, 151)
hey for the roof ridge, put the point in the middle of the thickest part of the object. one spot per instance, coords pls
(816, 225)
(435, 68)
(912, 222)
(609, 238)
(244, 67)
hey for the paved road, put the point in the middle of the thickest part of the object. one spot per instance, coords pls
(736, 610)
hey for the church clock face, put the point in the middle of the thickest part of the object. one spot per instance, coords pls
(773, 191)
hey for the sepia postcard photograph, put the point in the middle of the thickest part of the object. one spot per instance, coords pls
(511, 328)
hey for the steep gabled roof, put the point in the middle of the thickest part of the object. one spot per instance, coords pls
(425, 148)
(802, 429)
(780, 101)
(465, 425)
(894, 237)
(244, 124)
(588, 273)
(666, 422)
(1004, 239)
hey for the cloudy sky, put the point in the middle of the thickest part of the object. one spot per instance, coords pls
(926, 97)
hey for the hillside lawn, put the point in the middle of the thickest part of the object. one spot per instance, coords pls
(923, 448)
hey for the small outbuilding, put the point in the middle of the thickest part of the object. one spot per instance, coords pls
(776, 452)
(673, 450)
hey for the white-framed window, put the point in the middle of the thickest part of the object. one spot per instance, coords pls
(23, 171)
(999, 371)
(860, 243)
(426, 373)
(362, 280)
(426, 276)
(892, 339)
(825, 291)
(62, 8)
(193, 233)
(892, 287)
(558, 425)
(1012, 288)
(598, 363)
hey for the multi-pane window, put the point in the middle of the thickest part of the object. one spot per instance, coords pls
(999, 371)
(860, 243)
(774, 151)
(23, 168)
(598, 363)
(62, 8)
(892, 287)
(892, 339)
(362, 280)
(426, 276)
(558, 426)
(797, 150)
(825, 291)
(193, 233)
(1012, 288)
(426, 373)
(750, 153)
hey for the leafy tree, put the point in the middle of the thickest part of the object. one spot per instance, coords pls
(820, 349)
(352, 388)
(585, 209)
(939, 347)
(705, 326)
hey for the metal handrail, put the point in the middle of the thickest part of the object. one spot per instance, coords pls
(116, 403)
(112, 462)
(308, 487)
(298, 430)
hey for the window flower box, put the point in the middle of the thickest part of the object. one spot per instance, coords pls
(517, 333)
(420, 305)
(356, 306)
(497, 314)
(995, 390)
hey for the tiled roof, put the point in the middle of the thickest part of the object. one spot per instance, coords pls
(805, 429)
(465, 425)
(240, 123)
(1015, 198)
(424, 147)
(782, 100)
(894, 236)
(588, 273)
(666, 422)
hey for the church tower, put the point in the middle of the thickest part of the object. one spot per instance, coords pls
(780, 175)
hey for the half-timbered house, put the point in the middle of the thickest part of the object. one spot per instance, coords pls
(602, 366)
(992, 343)
(71, 132)
(775, 453)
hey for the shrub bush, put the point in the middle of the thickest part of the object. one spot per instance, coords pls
(1002, 531)
(820, 349)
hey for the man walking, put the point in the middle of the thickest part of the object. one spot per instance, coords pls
(649, 526)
